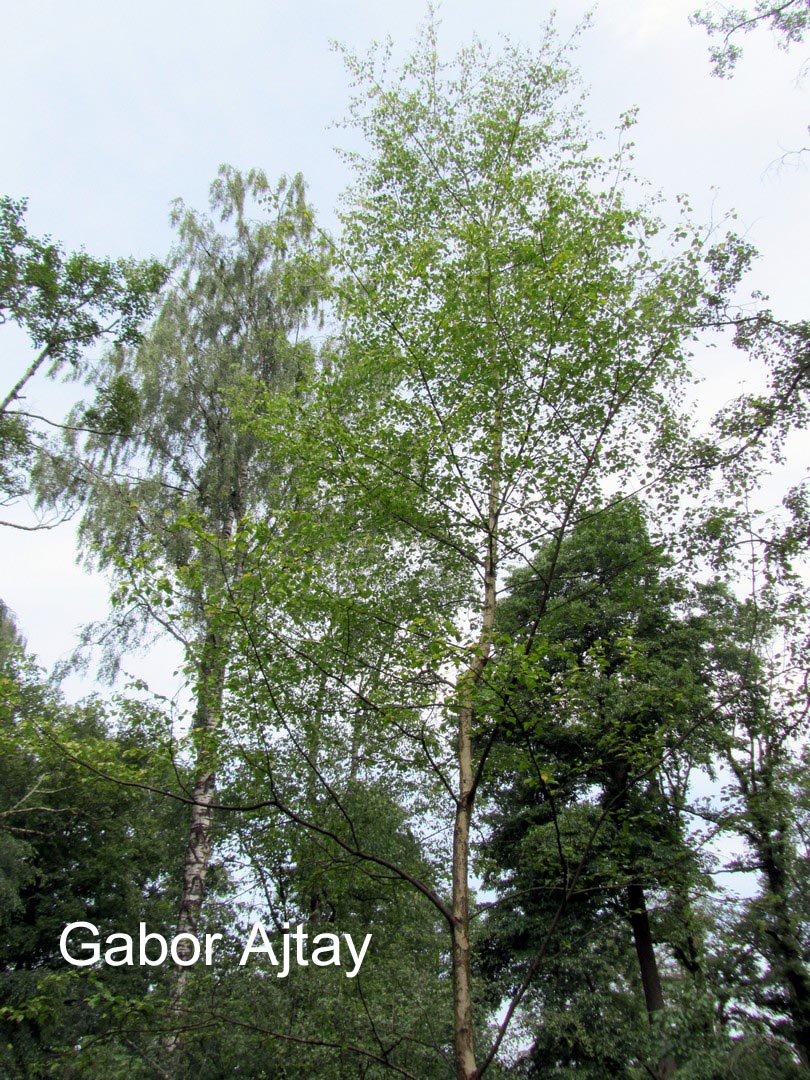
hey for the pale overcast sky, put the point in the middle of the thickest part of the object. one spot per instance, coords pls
(112, 110)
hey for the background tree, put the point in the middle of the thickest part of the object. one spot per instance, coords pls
(161, 508)
(611, 713)
(763, 806)
(635, 685)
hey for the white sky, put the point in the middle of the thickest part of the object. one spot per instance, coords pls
(112, 110)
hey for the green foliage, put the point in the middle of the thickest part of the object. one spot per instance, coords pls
(15, 447)
(495, 269)
(116, 410)
(173, 454)
(66, 302)
(74, 846)
(607, 712)
(317, 1023)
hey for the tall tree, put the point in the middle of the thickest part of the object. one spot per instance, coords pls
(513, 340)
(162, 507)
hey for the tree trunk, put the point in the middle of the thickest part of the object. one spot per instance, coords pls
(207, 719)
(466, 1068)
(616, 796)
(462, 988)
(642, 938)
(460, 928)
(648, 967)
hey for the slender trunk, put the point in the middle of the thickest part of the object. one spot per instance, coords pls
(642, 938)
(207, 719)
(462, 987)
(211, 670)
(462, 978)
(648, 966)
(466, 1068)
(616, 796)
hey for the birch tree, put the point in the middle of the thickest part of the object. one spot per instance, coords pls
(518, 326)
(162, 507)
